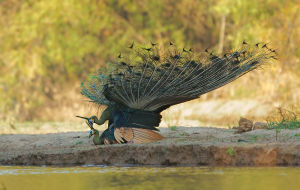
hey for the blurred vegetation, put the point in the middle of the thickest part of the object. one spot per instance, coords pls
(48, 47)
(283, 119)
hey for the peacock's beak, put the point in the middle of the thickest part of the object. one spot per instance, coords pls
(88, 121)
(82, 117)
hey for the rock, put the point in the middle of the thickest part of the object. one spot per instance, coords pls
(244, 125)
(260, 125)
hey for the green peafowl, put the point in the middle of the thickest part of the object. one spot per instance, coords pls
(147, 81)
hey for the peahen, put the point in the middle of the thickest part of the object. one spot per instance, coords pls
(147, 81)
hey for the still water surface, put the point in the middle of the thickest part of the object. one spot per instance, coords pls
(45, 178)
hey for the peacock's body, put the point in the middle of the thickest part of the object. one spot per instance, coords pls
(148, 81)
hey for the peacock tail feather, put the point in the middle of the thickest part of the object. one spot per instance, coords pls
(150, 79)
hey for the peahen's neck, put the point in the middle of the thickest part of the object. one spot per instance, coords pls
(96, 138)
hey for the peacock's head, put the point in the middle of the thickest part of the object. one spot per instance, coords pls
(90, 121)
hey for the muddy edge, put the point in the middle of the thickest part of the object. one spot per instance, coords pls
(186, 146)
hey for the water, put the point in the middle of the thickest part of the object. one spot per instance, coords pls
(45, 178)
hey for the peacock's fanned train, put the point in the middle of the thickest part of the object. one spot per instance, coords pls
(147, 80)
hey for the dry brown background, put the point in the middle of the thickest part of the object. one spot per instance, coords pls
(48, 47)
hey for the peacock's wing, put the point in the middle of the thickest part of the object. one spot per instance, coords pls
(150, 80)
(132, 126)
(136, 135)
(121, 135)
(135, 126)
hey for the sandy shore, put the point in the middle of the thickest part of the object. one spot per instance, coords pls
(181, 146)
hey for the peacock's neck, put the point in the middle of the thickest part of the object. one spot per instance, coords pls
(106, 115)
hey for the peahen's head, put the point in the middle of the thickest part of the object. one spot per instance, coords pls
(93, 132)
(90, 121)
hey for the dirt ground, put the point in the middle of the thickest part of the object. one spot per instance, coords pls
(181, 146)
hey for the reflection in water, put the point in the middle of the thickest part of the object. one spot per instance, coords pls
(31, 178)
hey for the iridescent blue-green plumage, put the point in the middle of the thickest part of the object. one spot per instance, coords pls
(95, 88)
